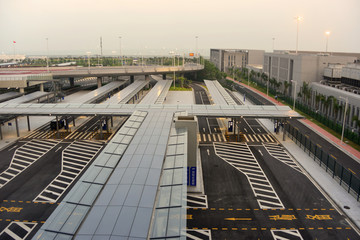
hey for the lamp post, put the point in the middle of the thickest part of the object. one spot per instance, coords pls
(121, 58)
(47, 57)
(248, 77)
(343, 127)
(294, 93)
(327, 40)
(298, 19)
(196, 48)
(88, 54)
(273, 43)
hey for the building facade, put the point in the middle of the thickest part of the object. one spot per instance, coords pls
(284, 66)
(225, 59)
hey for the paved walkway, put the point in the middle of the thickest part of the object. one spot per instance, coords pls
(331, 138)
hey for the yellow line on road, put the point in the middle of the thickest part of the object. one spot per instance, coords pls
(238, 219)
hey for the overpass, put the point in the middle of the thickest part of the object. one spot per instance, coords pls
(24, 77)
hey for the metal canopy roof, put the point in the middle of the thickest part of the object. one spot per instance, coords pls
(98, 93)
(255, 111)
(28, 98)
(127, 93)
(157, 93)
(218, 93)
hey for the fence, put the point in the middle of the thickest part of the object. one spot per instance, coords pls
(345, 177)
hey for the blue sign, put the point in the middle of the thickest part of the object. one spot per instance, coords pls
(191, 176)
(230, 126)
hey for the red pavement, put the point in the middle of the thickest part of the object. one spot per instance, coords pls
(310, 124)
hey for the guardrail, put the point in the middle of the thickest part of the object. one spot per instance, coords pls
(328, 162)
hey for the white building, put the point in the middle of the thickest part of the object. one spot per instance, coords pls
(238, 58)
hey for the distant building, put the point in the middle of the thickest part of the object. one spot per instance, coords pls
(301, 67)
(238, 58)
(6, 58)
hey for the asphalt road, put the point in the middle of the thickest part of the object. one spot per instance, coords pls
(37, 171)
(256, 191)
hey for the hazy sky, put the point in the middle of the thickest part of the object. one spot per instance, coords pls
(160, 26)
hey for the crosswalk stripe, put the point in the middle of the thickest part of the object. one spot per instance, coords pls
(264, 193)
(72, 165)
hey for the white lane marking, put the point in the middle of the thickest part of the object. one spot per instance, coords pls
(261, 153)
(281, 234)
(208, 152)
(207, 120)
(259, 130)
(12, 148)
(245, 130)
(58, 149)
(203, 129)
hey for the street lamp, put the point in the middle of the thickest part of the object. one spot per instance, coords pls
(121, 58)
(343, 127)
(196, 48)
(248, 77)
(88, 54)
(327, 40)
(47, 57)
(273, 43)
(298, 19)
(294, 93)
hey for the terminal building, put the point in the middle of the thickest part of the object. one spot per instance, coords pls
(238, 58)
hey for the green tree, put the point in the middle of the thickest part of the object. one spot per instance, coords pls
(286, 87)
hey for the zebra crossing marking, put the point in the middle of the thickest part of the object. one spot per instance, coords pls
(259, 138)
(196, 201)
(215, 137)
(277, 152)
(196, 234)
(21, 159)
(286, 234)
(240, 156)
(72, 165)
(17, 230)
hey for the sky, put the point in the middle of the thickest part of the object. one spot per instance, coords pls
(157, 27)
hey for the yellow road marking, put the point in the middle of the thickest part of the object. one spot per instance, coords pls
(238, 219)
(189, 216)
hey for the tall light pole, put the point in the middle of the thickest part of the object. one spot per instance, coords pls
(47, 57)
(298, 19)
(343, 127)
(273, 43)
(294, 93)
(121, 58)
(88, 54)
(196, 48)
(327, 40)
(248, 77)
